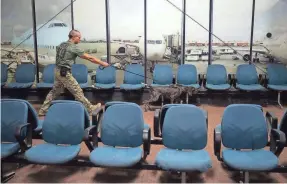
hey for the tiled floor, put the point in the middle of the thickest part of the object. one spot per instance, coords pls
(217, 174)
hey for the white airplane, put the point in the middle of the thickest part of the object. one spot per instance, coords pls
(276, 31)
(55, 32)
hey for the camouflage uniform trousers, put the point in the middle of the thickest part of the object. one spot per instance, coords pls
(70, 83)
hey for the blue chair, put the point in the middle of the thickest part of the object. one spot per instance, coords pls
(187, 76)
(244, 134)
(36, 123)
(282, 126)
(277, 79)
(48, 77)
(80, 73)
(63, 132)
(14, 124)
(15, 132)
(132, 81)
(4, 74)
(216, 78)
(24, 76)
(122, 133)
(162, 75)
(159, 115)
(105, 78)
(184, 136)
(247, 78)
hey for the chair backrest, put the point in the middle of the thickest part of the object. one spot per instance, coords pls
(186, 74)
(48, 73)
(131, 78)
(164, 109)
(277, 74)
(64, 124)
(216, 74)
(108, 104)
(162, 74)
(87, 115)
(32, 114)
(246, 74)
(283, 124)
(184, 127)
(25, 73)
(80, 73)
(13, 114)
(4, 73)
(106, 75)
(122, 125)
(244, 126)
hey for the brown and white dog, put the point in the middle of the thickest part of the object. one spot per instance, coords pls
(172, 92)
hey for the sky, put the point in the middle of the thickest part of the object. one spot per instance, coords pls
(232, 18)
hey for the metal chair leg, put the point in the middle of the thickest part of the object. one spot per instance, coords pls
(246, 177)
(183, 177)
(187, 96)
(279, 97)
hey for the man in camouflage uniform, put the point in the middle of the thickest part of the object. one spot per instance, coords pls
(65, 57)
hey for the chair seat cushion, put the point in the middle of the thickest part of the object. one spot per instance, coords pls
(52, 154)
(253, 87)
(20, 85)
(116, 157)
(8, 149)
(218, 87)
(191, 85)
(253, 160)
(171, 159)
(105, 86)
(278, 87)
(131, 86)
(44, 85)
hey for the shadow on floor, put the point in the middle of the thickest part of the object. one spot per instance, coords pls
(53, 174)
(254, 177)
(111, 175)
(192, 177)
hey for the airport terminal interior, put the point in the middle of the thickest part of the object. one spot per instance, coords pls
(196, 92)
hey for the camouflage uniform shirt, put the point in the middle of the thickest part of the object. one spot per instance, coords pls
(67, 52)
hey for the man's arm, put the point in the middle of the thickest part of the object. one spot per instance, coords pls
(93, 59)
(80, 53)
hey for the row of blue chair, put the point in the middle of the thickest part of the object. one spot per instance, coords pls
(25, 76)
(216, 77)
(123, 131)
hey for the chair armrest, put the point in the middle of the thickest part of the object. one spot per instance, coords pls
(20, 138)
(156, 123)
(230, 80)
(233, 79)
(217, 142)
(262, 79)
(202, 78)
(272, 120)
(278, 141)
(91, 132)
(96, 115)
(206, 116)
(93, 78)
(146, 141)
